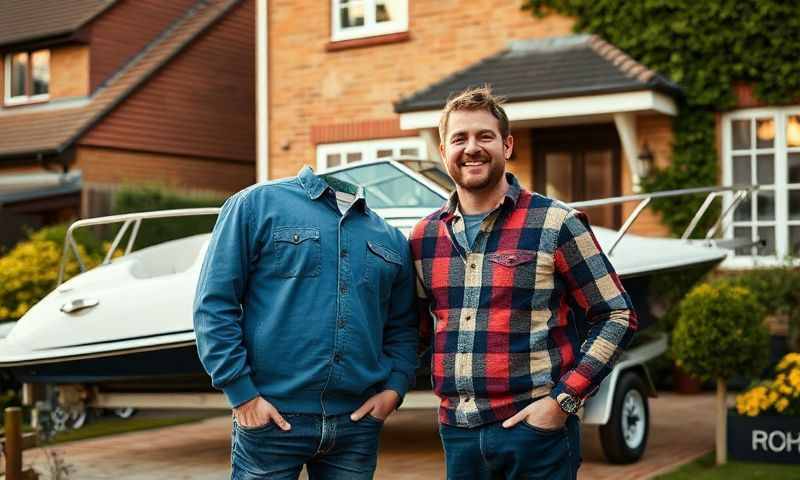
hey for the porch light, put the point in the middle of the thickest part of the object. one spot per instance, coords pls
(646, 160)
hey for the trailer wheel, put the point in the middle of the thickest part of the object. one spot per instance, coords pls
(624, 437)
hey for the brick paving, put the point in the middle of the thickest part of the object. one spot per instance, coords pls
(682, 429)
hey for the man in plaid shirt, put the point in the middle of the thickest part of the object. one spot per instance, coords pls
(499, 272)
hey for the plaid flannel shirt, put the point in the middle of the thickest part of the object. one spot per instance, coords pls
(501, 314)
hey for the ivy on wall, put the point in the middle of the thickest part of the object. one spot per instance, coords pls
(706, 47)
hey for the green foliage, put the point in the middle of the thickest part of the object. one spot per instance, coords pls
(777, 290)
(57, 233)
(705, 47)
(720, 333)
(150, 197)
(30, 271)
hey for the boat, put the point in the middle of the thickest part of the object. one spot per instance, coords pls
(121, 334)
(127, 324)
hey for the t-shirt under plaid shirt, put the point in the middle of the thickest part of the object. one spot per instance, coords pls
(501, 314)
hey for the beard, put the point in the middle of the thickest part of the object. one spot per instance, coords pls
(477, 183)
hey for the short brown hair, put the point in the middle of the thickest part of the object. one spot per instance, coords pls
(477, 98)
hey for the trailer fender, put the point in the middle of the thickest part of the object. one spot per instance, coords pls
(597, 409)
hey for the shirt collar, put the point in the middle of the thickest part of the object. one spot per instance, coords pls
(509, 198)
(315, 187)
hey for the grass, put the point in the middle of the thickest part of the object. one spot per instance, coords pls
(704, 469)
(112, 426)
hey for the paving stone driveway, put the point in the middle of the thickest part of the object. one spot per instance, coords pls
(682, 429)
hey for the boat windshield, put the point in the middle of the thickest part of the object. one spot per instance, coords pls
(386, 186)
(433, 171)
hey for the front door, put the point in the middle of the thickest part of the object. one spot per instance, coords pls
(579, 163)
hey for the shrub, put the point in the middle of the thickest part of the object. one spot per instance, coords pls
(777, 290)
(30, 271)
(150, 197)
(720, 333)
(780, 395)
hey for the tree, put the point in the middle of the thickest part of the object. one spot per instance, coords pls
(720, 333)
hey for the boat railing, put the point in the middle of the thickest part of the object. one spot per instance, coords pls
(127, 219)
(738, 192)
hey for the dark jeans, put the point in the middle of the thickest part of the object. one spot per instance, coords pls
(520, 452)
(330, 447)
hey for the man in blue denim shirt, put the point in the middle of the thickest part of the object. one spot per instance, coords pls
(304, 317)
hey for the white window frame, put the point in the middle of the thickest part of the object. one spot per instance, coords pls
(21, 99)
(369, 149)
(781, 185)
(370, 28)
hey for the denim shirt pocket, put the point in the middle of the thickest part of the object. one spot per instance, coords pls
(382, 265)
(297, 252)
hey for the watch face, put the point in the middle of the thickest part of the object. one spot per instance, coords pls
(569, 404)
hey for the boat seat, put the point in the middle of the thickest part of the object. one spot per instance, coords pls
(167, 258)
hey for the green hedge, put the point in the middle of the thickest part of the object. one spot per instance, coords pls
(149, 197)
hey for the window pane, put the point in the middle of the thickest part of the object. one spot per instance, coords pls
(765, 133)
(409, 152)
(794, 167)
(765, 169)
(741, 170)
(352, 14)
(741, 134)
(743, 212)
(793, 131)
(41, 72)
(333, 159)
(766, 235)
(765, 205)
(384, 153)
(743, 234)
(389, 10)
(19, 74)
(794, 204)
(794, 240)
(353, 157)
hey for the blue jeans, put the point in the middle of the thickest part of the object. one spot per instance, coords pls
(332, 447)
(521, 452)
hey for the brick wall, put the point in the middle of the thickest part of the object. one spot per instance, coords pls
(656, 132)
(69, 71)
(107, 166)
(312, 88)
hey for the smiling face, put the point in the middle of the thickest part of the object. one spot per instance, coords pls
(473, 151)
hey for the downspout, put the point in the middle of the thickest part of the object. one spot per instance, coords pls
(262, 91)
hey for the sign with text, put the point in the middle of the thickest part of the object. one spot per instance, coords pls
(766, 438)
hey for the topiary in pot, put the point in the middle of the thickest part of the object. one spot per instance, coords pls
(720, 333)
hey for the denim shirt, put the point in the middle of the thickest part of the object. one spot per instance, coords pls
(308, 307)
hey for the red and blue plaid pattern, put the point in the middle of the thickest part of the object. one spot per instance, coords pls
(501, 313)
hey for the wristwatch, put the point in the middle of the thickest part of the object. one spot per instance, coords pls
(568, 403)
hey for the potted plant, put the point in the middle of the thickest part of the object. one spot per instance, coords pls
(720, 333)
(766, 423)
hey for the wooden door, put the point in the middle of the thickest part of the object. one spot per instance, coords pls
(580, 163)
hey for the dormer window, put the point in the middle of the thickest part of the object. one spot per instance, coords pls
(368, 18)
(27, 77)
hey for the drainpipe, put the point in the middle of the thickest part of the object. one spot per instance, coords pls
(262, 91)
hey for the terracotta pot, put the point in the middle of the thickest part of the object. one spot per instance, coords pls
(685, 383)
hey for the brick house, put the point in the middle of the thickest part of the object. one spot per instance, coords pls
(117, 91)
(349, 80)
